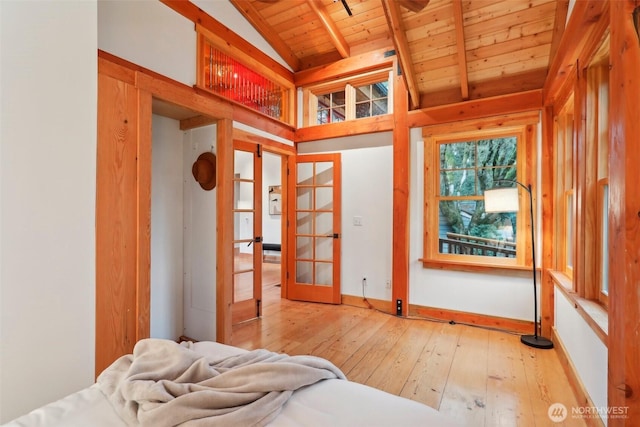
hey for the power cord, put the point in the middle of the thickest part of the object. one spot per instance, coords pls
(432, 319)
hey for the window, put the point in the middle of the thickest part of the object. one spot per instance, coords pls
(597, 173)
(331, 107)
(241, 79)
(581, 200)
(564, 200)
(459, 167)
(371, 99)
(348, 99)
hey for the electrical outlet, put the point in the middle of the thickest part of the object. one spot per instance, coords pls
(364, 280)
(388, 284)
(357, 221)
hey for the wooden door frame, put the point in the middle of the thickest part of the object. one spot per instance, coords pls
(239, 308)
(213, 110)
(335, 297)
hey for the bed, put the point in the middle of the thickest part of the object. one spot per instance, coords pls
(164, 383)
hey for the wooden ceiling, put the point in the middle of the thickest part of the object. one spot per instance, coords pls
(449, 50)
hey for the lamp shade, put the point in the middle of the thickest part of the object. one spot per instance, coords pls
(501, 200)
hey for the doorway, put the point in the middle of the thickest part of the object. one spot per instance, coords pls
(257, 229)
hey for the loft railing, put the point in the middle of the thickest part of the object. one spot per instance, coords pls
(472, 245)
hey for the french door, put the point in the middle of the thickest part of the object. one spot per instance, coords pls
(247, 232)
(314, 229)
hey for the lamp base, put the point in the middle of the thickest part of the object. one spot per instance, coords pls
(536, 341)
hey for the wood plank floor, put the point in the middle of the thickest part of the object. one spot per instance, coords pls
(477, 376)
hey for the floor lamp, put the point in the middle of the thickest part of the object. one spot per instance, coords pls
(506, 200)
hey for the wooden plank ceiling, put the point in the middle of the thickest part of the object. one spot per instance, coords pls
(449, 50)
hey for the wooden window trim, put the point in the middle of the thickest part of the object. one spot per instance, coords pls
(348, 84)
(595, 315)
(527, 140)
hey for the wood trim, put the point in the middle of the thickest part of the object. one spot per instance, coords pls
(384, 123)
(266, 143)
(461, 49)
(371, 303)
(253, 16)
(490, 123)
(516, 270)
(143, 227)
(564, 284)
(401, 177)
(585, 17)
(330, 26)
(117, 222)
(482, 320)
(198, 16)
(353, 65)
(475, 109)
(562, 9)
(394, 21)
(624, 214)
(547, 191)
(224, 234)
(263, 122)
(163, 87)
(579, 390)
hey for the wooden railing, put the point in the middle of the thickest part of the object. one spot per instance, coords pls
(471, 245)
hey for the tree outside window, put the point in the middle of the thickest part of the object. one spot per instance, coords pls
(461, 162)
(466, 169)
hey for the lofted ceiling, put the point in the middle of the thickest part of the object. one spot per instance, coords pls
(449, 50)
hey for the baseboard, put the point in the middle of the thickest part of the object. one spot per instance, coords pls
(514, 325)
(520, 326)
(579, 390)
(377, 304)
(186, 338)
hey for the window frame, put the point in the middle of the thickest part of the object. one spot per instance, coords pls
(564, 170)
(581, 151)
(349, 85)
(524, 127)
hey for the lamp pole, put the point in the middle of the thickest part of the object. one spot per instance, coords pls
(532, 340)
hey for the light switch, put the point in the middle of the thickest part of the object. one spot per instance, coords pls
(357, 220)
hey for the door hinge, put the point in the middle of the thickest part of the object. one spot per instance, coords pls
(258, 302)
(258, 153)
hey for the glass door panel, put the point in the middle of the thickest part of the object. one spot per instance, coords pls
(247, 245)
(316, 215)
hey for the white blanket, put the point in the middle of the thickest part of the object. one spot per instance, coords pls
(166, 384)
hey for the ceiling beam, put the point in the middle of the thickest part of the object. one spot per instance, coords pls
(562, 9)
(396, 27)
(461, 48)
(334, 33)
(252, 15)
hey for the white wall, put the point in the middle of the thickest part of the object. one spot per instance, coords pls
(483, 293)
(149, 34)
(271, 175)
(199, 241)
(587, 352)
(367, 176)
(48, 176)
(167, 229)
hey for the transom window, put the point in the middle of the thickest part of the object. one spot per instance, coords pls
(372, 99)
(458, 169)
(331, 107)
(348, 99)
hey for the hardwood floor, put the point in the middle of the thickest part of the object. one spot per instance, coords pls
(477, 376)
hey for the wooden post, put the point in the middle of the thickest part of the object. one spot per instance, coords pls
(400, 261)
(224, 231)
(548, 253)
(624, 215)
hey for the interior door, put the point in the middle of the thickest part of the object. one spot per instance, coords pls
(247, 232)
(314, 229)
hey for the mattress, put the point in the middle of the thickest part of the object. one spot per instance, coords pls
(330, 402)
